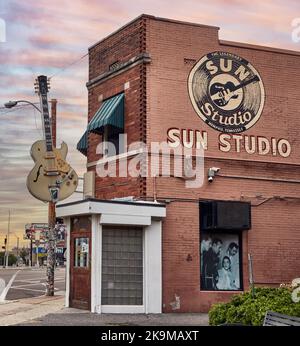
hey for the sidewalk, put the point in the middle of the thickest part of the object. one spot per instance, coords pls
(50, 311)
(75, 317)
(24, 310)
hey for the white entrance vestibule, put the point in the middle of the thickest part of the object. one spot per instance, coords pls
(118, 226)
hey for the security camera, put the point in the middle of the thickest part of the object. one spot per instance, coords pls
(212, 171)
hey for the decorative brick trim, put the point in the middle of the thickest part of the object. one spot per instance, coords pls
(140, 59)
(143, 103)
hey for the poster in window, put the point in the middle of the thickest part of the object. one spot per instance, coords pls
(81, 252)
(220, 262)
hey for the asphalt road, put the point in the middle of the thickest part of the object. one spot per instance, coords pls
(30, 282)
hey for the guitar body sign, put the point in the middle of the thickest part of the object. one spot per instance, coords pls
(52, 179)
(41, 177)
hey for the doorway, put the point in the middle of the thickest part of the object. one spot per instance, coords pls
(80, 263)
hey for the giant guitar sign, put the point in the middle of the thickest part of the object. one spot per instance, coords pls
(52, 179)
(226, 92)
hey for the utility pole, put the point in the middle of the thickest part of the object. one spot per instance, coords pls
(7, 242)
(251, 281)
(17, 251)
(4, 247)
(51, 218)
(37, 244)
(30, 258)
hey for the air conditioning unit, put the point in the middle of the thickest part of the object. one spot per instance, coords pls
(225, 215)
(89, 184)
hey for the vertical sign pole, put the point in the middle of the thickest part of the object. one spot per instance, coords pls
(30, 259)
(251, 274)
(17, 251)
(7, 241)
(51, 250)
(51, 218)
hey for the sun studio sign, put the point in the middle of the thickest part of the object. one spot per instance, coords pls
(227, 93)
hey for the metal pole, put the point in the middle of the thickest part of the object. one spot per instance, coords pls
(37, 255)
(30, 250)
(7, 243)
(51, 250)
(37, 244)
(4, 257)
(17, 251)
(51, 218)
(251, 274)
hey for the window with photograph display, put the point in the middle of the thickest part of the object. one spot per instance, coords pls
(81, 252)
(220, 261)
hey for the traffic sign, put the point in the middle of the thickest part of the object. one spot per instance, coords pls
(39, 250)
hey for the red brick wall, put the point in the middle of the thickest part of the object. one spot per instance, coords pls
(122, 46)
(274, 238)
(169, 105)
(180, 276)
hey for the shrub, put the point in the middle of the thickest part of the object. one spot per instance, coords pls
(12, 259)
(244, 309)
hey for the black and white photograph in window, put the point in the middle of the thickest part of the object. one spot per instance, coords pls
(81, 252)
(220, 261)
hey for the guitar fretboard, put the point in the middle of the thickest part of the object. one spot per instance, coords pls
(46, 119)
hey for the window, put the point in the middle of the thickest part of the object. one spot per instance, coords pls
(220, 261)
(81, 252)
(115, 144)
(122, 267)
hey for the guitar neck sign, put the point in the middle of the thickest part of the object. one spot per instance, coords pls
(226, 92)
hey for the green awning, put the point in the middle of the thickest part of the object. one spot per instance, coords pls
(82, 145)
(111, 112)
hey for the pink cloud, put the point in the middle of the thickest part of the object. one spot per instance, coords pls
(45, 36)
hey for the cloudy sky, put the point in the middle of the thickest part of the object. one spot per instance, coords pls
(43, 37)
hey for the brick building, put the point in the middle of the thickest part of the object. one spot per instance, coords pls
(181, 248)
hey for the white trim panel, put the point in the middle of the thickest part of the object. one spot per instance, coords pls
(94, 261)
(134, 220)
(153, 268)
(93, 207)
(74, 209)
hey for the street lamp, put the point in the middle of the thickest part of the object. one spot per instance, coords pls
(51, 206)
(12, 104)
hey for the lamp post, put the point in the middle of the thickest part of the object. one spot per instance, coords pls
(7, 241)
(51, 205)
(11, 104)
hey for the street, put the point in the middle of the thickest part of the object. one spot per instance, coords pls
(30, 282)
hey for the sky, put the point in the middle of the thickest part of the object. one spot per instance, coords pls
(52, 38)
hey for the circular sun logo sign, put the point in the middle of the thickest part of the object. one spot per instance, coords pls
(226, 92)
